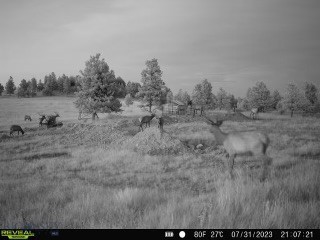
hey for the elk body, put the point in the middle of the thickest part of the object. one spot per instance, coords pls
(16, 128)
(145, 120)
(240, 143)
(27, 117)
(50, 120)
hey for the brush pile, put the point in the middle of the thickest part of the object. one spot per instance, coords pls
(152, 142)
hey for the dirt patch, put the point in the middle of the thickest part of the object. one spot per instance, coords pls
(152, 142)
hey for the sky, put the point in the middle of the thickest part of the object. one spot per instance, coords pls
(233, 44)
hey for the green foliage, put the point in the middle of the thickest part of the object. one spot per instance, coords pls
(33, 87)
(222, 99)
(23, 89)
(275, 99)
(63, 81)
(100, 89)
(132, 88)
(294, 99)
(244, 104)
(10, 86)
(27, 88)
(202, 94)
(1, 89)
(232, 102)
(259, 96)
(169, 97)
(50, 84)
(311, 92)
(153, 89)
(128, 100)
(40, 86)
(182, 96)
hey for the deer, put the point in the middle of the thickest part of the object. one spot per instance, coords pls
(16, 128)
(239, 143)
(27, 117)
(146, 120)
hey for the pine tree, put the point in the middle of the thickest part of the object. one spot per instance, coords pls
(1, 89)
(10, 87)
(153, 88)
(222, 99)
(100, 89)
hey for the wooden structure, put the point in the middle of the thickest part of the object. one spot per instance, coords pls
(174, 107)
(179, 108)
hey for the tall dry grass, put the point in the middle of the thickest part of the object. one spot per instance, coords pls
(68, 178)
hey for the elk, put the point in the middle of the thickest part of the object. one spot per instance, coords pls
(239, 143)
(27, 117)
(16, 128)
(145, 120)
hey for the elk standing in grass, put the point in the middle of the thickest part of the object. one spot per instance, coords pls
(27, 117)
(239, 143)
(145, 120)
(16, 128)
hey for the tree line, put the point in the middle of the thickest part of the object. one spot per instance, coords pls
(98, 91)
(294, 99)
(49, 87)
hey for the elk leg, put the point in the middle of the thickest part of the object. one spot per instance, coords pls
(265, 171)
(231, 163)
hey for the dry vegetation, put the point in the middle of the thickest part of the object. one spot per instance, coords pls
(110, 175)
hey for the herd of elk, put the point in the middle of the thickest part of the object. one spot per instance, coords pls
(238, 143)
(235, 144)
(50, 122)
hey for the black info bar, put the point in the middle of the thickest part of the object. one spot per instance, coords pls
(169, 234)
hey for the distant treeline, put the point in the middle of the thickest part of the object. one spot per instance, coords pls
(50, 86)
(62, 85)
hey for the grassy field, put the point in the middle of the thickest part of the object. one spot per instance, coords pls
(107, 174)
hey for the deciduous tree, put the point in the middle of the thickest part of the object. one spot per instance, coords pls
(259, 96)
(294, 99)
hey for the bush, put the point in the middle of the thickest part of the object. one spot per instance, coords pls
(128, 100)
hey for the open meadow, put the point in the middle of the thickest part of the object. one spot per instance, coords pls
(108, 174)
